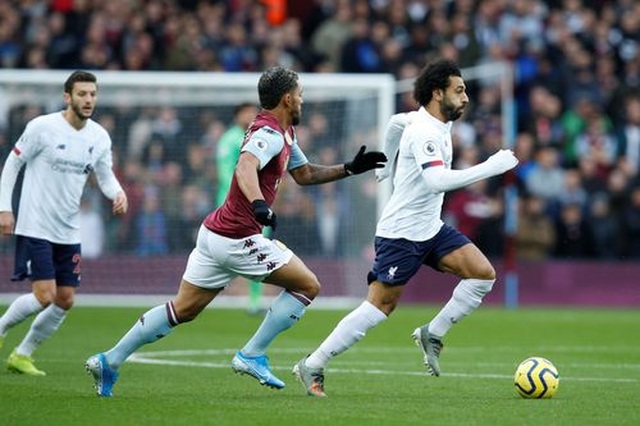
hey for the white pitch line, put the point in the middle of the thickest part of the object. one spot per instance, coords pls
(150, 358)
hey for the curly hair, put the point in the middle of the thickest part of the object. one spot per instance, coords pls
(274, 83)
(434, 76)
(78, 77)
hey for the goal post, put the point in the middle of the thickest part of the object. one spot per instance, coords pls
(330, 226)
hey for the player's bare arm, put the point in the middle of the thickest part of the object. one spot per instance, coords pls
(312, 174)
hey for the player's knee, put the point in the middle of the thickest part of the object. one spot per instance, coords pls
(313, 287)
(65, 303)
(485, 272)
(45, 297)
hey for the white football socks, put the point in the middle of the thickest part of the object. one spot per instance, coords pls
(467, 296)
(19, 310)
(349, 331)
(43, 326)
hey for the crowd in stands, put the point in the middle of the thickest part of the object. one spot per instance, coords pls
(577, 73)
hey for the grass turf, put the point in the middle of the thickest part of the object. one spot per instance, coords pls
(186, 378)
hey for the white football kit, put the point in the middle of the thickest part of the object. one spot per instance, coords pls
(414, 210)
(423, 174)
(58, 159)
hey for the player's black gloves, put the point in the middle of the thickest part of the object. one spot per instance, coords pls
(264, 214)
(364, 161)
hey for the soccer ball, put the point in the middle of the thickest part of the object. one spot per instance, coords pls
(536, 377)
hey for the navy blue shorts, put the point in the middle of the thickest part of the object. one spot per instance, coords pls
(41, 260)
(398, 259)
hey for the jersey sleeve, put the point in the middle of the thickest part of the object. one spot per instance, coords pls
(265, 143)
(297, 158)
(104, 171)
(425, 149)
(29, 144)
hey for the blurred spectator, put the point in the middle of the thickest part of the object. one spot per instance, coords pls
(573, 192)
(632, 224)
(332, 33)
(547, 178)
(151, 226)
(360, 53)
(606, 229)
(536, 234)
(574, 238)
(595, 141)
(629, 134)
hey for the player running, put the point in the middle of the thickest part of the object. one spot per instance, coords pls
(230, 241)
(59, 151)
(410, 232)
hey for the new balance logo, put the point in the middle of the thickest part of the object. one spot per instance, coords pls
(61, 146)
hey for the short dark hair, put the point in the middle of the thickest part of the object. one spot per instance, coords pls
(76, 77)
(241, 107)
(432, 77)
(274, 83)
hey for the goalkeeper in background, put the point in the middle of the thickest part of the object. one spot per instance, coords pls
(227, 153)
(410, 232)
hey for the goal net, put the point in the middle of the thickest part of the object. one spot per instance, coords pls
(165, 127)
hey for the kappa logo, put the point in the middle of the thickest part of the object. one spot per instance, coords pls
(392, 272)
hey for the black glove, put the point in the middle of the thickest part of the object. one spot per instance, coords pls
(364, 161)
(264, 214)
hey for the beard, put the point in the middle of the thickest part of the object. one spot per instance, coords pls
(295, 119)
(450, 111)
(77, 110)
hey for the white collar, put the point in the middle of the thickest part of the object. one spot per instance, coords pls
(445, 127)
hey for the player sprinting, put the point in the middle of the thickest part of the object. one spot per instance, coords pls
(59, 151)
(410, 232)
(230, 242)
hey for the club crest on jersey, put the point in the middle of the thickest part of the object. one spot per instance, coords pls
(429, 148)
(261, 144)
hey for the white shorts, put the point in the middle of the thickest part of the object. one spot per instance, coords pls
(216, 260)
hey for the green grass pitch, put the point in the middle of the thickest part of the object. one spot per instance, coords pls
(186, 379)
